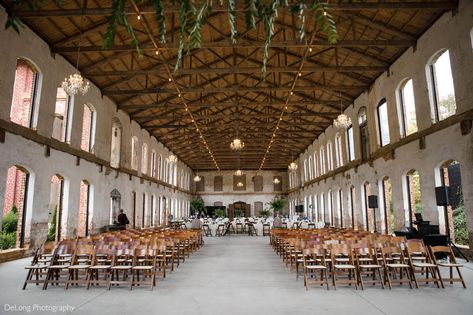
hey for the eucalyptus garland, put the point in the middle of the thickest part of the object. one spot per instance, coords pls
(193, 16)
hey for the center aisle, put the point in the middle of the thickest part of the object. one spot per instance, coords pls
(234, 275)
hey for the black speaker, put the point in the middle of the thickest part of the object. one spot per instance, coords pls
(442, 194)
(373, 202)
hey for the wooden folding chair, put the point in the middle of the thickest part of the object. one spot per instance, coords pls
(38, 267)
(313, 263)
(122, 262)
(99, 271)
(343, 262)
(425, 265)
(57, 271)
(144, 268)
(80, 263)
(450, 263)
(367, 265)
(394, 260)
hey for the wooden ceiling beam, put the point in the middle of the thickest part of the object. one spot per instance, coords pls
(232, 70)
(149, 10)
(236, 89)
(241, 44)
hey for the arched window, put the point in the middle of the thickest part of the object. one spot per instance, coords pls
(62, 116)
(153, 164)
(160, 167)
(322, 160)
(85, 209)
(305, 171)
(316, 165)
(386, 205)
(57, 206)
(440, 83)
(134, 153)
(406, 108)
(25, 100)
(383, 123)
(338, 150)
(364, 135)
(17, 204)
(329, 156)
(144, 158)
(311, 171)
(350, 144)
(88, 128)
(412, 196)
(116, 143)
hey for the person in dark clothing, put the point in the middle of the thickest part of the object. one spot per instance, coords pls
(122, 218)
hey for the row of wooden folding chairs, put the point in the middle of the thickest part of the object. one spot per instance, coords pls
(390, 254)
(52, 258)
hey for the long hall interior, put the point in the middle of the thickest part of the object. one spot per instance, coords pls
(257, 156)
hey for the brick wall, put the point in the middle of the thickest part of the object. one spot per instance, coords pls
(82, 209)
(15, 195)
(86, 124)
(22, 93)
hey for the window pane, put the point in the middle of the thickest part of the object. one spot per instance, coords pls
(351, 144)
(383, 123)
(444, 87)
(409, 108)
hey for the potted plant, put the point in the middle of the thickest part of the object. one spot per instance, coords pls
(197, 205)
(277, 204)
(265, 213)
(220, 213)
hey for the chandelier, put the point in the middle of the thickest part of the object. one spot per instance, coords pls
(197, 178)
(237, 144)
(238, 173)
(75, 83)
(342, 121)
(292, 167)
(240, 184)
(172, 159)
(276, 180)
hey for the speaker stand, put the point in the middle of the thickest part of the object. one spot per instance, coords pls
(449, 240)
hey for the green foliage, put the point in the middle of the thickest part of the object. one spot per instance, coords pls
(265, 213)
(10, 221)
(52, 227)
(7, 240)
(197, 204)
(239, 213)
(220, 213)
(117, 18)
(277, 204)
(459, 223)
(192, 19)
(161, 19)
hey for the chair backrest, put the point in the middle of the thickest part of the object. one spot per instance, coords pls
(444, 250)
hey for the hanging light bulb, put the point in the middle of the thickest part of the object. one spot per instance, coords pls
(238, 173)
(237, 144)
(342, 121)
(197, 178)
(292, 167)
(240, 184)
(75, 83)
(172, 159)
(276, 180)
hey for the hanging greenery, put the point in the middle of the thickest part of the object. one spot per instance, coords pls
(193, 16)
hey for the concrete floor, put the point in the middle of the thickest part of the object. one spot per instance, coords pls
(232, 275)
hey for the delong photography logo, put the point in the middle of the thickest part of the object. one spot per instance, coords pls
(29, 308)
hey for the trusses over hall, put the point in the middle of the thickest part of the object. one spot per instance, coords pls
(223, 84)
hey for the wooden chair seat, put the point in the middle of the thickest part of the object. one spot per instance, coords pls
(337, 266)
(449, 265)
(397, 265)
(79, 267)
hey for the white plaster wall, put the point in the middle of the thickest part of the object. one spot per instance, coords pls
(19, 151)
(449, 32)
(229, 196)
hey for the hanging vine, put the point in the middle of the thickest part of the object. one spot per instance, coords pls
(193, 17)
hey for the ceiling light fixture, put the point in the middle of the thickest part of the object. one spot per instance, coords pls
(197, 178)
(240, 184)
(342, 121)
(276, 180)
(75, 83)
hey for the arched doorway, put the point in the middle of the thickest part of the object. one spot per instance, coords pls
(15, 207)
(115, 205)
(56, 207)
(239, 209)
